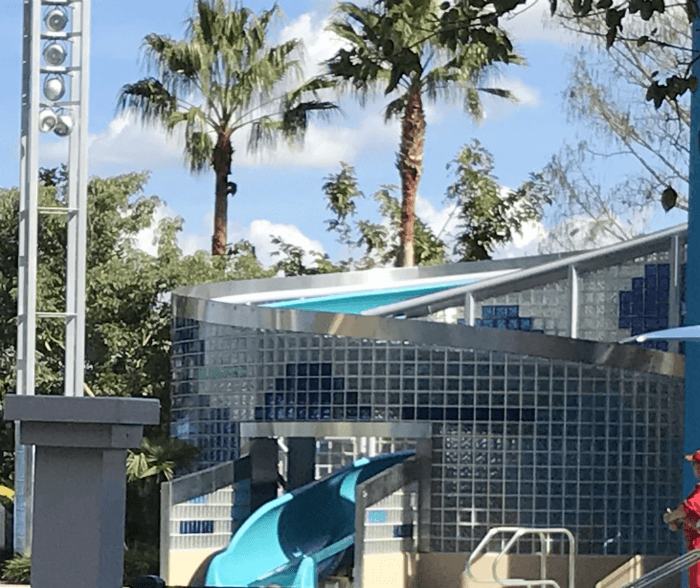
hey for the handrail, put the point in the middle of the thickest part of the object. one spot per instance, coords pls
(674, 566)
(518, 532)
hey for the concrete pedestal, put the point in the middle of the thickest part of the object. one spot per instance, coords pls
(80, 483)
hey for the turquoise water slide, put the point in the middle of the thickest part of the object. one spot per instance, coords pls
(300, 537)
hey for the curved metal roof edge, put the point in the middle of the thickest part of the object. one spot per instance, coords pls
(529, 277)
(429, 333)
(369, 277)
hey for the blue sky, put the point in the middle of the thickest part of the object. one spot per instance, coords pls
(280, 192)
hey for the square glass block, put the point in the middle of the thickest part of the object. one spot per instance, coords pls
(487, 312)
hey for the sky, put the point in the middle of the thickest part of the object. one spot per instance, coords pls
(279, 192)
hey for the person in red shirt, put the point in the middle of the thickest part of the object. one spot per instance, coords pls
(688, 514)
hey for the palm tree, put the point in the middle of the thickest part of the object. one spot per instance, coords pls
(221, 78)
(418, 49)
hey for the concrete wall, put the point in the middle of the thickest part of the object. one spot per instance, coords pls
(446, 570)
(182, 566)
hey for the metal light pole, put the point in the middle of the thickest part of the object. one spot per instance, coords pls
(55, 66)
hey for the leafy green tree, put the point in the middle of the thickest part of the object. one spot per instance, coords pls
(489, 214)
(223, 77)
(416, 50)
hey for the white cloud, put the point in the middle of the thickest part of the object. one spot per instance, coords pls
(527, 242)
(259, 233)
(319, 44)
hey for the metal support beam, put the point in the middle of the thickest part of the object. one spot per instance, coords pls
(674, 290)
(469, 309)
(573, 302)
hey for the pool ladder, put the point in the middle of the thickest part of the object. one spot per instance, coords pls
(517, 533)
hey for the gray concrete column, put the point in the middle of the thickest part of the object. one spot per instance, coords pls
(301, 461)
(80, 483)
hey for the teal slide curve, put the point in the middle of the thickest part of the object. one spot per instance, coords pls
(300, 537)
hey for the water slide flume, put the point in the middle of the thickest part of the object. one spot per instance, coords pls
(300, 537)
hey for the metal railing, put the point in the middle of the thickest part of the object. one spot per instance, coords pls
(544, 535)
(668, 569)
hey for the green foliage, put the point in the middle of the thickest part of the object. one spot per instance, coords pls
(141, 559)
(17, 569)
(489, 214)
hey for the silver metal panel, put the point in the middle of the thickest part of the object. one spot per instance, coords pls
(573, 302)
(429, 333)
(368, 277)
(335, 429)
(535, 276)
(424, 459)
(199, 483)
(165, 511)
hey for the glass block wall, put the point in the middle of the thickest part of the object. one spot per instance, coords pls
(517, 439)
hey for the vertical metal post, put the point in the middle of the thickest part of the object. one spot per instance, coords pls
(469, 309)
(573, 302)
(692, 364)
(674, 289)
(27, 265)
(165, 510)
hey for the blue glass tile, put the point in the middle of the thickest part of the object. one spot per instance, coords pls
(437, 414)
(650, 273)
(279, 383)
(325, 413)
(477, 322)
(258, 413)
(662, 345)
(663, 289)
(269, 414)
(501, 323)
(351, 413)
(451, 414)
(301, 397)
(501, 311)
(637, 305)
(649, 344)
(338, 383)
(481, 414)
(289, 397)
(314, 413)
(313, 398)
(338, 413)
(325, 398)
(314, 369)
(290, 384)
(314, 383)
(302, 369)
(326, 369)
(408, 413)
(637, 285)
(541, 331)
(513, 414)
(625, 322)
(662, 323)
(466, 414)
(487, 312)
(462, 321)
(225, 414)
(291, 369)
(498, 415)
(513, 311)
(301, 413)
(403, 530)
(513, 324)
(650, 324)
(326, 384)
(279, 398)
(423, 413)
(650, 303)
(662, 310)
(525, 324)
(279, 413)
(625, 303)
(376, 516)
(302, 383)
(338, 398)
(351, 398)
(637, 326)
(365, 413)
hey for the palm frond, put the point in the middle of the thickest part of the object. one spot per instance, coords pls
(148, 99)
(198, 150)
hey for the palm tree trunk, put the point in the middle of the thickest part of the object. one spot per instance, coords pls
(410, 164)
(221, 161)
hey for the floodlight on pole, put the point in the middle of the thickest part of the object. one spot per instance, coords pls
(47, 120)
(55, 54)
(56, 20)
(64, 124)
(54, 88)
